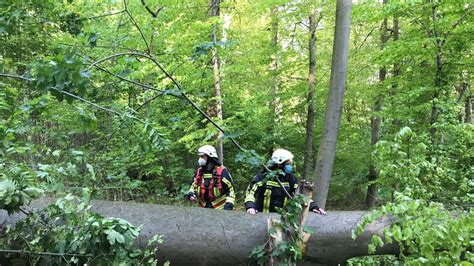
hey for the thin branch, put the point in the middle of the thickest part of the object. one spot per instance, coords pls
(455, 24)
(426, 28)
(105, 15)
(302, 23)
(78, 19)
(44, 253)
(101, 46)
(79, 98)
(148, 49)
(90, 103)
(112, 56)
(145, 86)
(14, 76)
(365, 39)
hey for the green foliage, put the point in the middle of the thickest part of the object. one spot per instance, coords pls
(250, 158)
(423, 173)
(374, 260)
(62, 73)
(16, 188)
(426, 232)
(69, 232)
(71, 22)
(288, 251)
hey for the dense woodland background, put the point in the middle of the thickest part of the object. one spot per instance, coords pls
(70, 120)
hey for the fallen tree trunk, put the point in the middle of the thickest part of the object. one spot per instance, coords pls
(196, 236)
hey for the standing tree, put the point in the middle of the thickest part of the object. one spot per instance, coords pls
(327, 147)
(215, 12)
(376, 120)
(311, 79)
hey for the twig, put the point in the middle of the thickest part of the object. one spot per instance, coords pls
(153, 14)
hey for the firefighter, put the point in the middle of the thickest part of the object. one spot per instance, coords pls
(264, 193)
(212, 185)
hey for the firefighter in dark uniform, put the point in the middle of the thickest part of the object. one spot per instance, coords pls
(212, 185)
(265, 194)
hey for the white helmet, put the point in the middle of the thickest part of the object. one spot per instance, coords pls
(208, 150)
(281, 155)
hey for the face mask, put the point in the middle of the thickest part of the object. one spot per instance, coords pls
(202, 162)
(288, 168)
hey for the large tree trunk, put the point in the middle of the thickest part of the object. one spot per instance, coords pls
(308, 158)
(196, 236)
(327, 146)
(375, 123)
(215, 8)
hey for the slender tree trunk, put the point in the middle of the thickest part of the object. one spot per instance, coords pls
(327, 147)
(396, 73)
(311, 78)
(274, 89)
(396, 66)
(438, 82)
(468, 110)
(375, 122)
(215, 7)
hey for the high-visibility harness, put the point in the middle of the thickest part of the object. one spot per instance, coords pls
(212, 190)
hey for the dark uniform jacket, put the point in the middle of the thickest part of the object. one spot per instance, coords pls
(265, 194)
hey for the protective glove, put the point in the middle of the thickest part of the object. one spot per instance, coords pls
(228, 206)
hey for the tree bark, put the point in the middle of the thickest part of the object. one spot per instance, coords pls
(197, 236)
(215, 8)
(375, 123)
(311, 79)
(327, 147)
